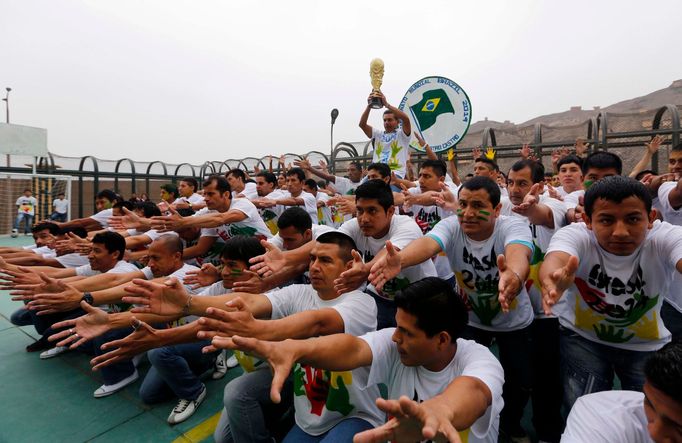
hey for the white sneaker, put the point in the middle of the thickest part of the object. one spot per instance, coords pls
(15, 233)
(106, 390)
(232, 362)
(185, 408)
(220, 366)
(53, 352)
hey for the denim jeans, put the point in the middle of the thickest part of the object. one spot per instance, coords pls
(588, 366)
(385, 311)
(116, 372)
(547, 391)
(672, 319)
(175, 372)
(56, 216)
(516, 350)
(342, 432)
(21, 317)
(248, 414)
(28, 222)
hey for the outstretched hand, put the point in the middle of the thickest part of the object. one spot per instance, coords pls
(143, 338)
(385, 268)
(82, 329)
(269, 263)
(352, 278)
(167, 298)
(557, 282)
(510, 283)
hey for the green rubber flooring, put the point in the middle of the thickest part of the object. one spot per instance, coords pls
(51, 400)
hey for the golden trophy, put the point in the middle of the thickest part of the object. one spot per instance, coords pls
(376, 74)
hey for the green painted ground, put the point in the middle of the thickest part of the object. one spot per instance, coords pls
(51, 400)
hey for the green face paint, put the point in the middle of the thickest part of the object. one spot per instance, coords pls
(483, 215)
(460, 212)
(236, 272)
(484, 212)
(587, 184)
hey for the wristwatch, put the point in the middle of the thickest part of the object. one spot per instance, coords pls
(87, 298)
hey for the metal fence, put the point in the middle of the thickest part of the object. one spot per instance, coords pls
(624, 134)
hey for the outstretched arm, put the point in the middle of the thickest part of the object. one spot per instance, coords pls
(367, 129)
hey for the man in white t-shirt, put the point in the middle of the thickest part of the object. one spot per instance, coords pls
(570, 175)
(634, 417)
(188, 198)
(605, 280)
(241, 188)
(490, 256)
(266, 186)
(295, 195)
(596, 166)
(60, 208)
(485, 167)
(423, 362)
(230, 217)
(343, 185)
(324, 214)
(327, 404)
(544, 216)
(26, 210)
(392, 145)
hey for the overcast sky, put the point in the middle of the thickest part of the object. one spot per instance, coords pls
(211, 80)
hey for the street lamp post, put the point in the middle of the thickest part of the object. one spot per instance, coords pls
(6, 100)
(335, 114)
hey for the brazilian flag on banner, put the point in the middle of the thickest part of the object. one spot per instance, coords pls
(433, 104)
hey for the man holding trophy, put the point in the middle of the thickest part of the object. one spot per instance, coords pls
(391, 146)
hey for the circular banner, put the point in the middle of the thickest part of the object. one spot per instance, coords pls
(439, 110)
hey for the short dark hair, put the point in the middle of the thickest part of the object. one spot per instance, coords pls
(298, 172)
(640, 175)
(356, 164)
(149, 209)
(382, 168)
(171, 189)
(438, 166)
(480, 182)
(76, 230)
(602, 160)
(185, 212)
(378, 190)
(616, 189)
(297, 217)
(312, 184)
(322, 184)
(268, 176)
(572, 158)
(172, 243)
(52, 227)
(191, 181)
(60, 193)
(124, 204)
(108, 194)
(220, 182)
(436, 306)
(663, 370)
(487, 161)
(112, 241)
(345, 243)
(236, 172)
(243, 248)
(537, 170)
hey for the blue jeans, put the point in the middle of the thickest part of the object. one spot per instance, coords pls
(249, 414)
(588, 366)
(56, 216)
(28, 219)
(116, 372)
(175, 372)
(547, 390)
(342, 432)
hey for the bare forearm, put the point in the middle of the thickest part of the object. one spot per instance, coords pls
(104, 281)
(467, 398)
(641, 164)
(518, 260)
(552, 262)
(541, 215)
(338, 352)
(123, 319)
(305, 324)
(418, 251)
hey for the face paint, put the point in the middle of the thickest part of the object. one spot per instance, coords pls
(460, 213)
(236, 272)
(587, 184)
(483, 215)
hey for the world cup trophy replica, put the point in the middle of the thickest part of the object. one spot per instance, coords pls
(376, 74)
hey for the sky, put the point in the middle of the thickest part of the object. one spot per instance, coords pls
(190, 81)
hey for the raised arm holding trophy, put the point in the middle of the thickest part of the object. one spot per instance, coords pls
(391, 146)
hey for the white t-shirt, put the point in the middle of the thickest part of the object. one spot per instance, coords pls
(616, 300)
(392, 148)
(252, 225)
(180, 275)
(324, 214)
(541, 238)
(121, 267)
(323, 398)
(402, 231)
(573, 199)
(192, 199)
(103, 216)
(271, 215)
(27, 205)
(72, 260)
(427, 217)
(317, 231)
(475, 266)
(345, 186)
(419, 384)
(669, 214)
(309, 203)
(606, 417)
(560, 191)
(250, 191)
(61, 206)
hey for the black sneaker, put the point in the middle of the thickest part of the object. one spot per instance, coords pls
(39, 345)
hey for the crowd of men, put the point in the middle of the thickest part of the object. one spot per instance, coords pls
(324, 291)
